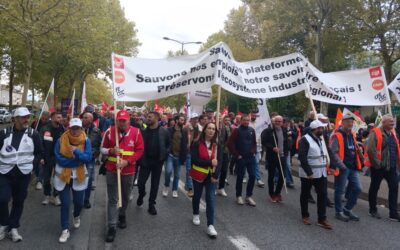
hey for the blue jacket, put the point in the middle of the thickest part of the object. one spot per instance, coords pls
(80, 157)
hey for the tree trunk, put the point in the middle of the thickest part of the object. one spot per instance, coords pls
(11, 84)
(33, 95)
(28, 70)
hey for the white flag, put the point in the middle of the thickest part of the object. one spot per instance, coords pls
(263, 118)
(358, 123)
(378, 119)
(394, 86)
(71, 108)
(84, 101)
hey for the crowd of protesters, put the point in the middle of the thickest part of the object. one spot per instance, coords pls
(65, 155)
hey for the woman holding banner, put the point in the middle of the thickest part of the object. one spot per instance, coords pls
(206, 157)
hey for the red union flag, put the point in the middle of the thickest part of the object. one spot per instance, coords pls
(375, 72)
(48, 104)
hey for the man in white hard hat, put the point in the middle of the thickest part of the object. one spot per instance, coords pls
(312, 156)
(19, 145)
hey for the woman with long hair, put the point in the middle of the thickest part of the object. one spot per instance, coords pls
(206, 157)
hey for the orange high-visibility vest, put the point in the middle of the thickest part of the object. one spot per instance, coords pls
(340, 139)
(298, 138)
(379, 142)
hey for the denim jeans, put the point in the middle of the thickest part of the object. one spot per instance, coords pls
(90, 169)
(248, 163)
(189, 182)
(258, 173)
(288, 169)
(173, 164)
(354, 187)
(65, 197)
(210, 198)
(13, 185)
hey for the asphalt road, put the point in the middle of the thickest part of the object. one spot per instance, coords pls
(267, 226)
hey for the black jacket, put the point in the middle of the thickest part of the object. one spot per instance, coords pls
(49, 136)
(184, 143)
(267, 140)
(94, 134)
(164, 143)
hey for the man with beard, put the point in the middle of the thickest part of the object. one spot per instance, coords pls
(49, 135)
(177, 154)
(15, 170)
(156, 147)
(130, 150)
(313, 159)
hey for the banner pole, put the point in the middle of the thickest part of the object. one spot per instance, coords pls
(217, 116)
(315, 113)
(118, 158)
(116, 137)
(218, 106)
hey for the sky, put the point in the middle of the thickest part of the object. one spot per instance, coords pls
(183, 20)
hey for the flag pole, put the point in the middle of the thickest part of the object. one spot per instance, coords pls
(45, 100)
(387, 93)
(118, 157)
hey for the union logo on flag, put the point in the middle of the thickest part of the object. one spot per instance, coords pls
(375, 72)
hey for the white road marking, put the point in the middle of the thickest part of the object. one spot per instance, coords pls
(242, 242)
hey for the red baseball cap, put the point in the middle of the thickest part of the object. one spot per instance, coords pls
(123, 115)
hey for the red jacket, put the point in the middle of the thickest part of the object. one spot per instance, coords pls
(132, 147)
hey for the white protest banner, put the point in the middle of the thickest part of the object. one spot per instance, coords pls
(199, 98)
(137, 79)
(394, 86)
(361, 87)
(358, 123)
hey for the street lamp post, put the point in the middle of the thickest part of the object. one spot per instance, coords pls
(182, 43)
